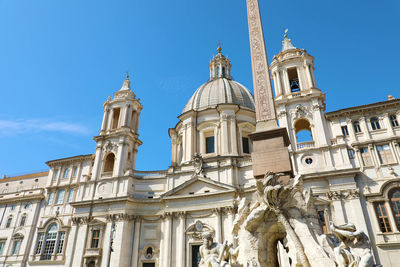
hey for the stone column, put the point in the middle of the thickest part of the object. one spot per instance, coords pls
(184, 143)
(136, 241)
(110, 119)
(364, 127)
(340, 216)
(127, 115)
(218, 225)
(374, 155)
(388, 124)
(278, 79)
(120, 159)
(202, 144)
(182, 244)
(167, 238)
(234, 139)
(286, 81)
(350, 129)
(230, 212)
(224, 132)
(105, 119)
(308, 74)
(396, 150)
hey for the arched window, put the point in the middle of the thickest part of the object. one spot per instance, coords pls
(109, 163)
(394, 198)
(304, 136)
(50, 242)
(356, 126)
(375, 123)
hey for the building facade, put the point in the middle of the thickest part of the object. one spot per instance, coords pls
(98, 210)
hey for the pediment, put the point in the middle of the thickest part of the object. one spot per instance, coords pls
(199, 185)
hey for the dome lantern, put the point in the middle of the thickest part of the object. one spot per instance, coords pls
(220, 66)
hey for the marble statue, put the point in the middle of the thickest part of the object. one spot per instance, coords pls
(214, 254)
(354, 249)
(285, 214)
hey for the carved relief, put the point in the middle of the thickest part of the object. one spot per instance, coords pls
(110, 147)
(344, 194)
(301, 111)
(265, 110)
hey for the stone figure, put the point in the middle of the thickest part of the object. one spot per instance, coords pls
(198, 165)
(354, 249)
(214, 254)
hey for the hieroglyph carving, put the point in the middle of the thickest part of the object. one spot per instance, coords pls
(265, 110)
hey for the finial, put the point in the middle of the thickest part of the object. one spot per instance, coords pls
(286, 30)
(127, 83)
(219, 49)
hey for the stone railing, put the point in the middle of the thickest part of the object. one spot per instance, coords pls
(305, 145)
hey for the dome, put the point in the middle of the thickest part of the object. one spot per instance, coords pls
(220, 91)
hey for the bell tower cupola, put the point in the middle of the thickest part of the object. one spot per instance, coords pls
(220, 66)
(118, 140)
(292, 70)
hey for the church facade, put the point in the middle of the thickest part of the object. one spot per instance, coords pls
(98, 210)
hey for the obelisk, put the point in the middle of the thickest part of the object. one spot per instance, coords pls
(270, 142)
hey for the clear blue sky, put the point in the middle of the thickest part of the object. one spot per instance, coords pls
(60, 60)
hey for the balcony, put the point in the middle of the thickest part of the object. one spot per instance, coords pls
(305, 145)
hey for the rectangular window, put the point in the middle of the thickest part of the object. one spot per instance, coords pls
(75, 172)
(385, 155)
(51, 197)
(23, 219)
(345, 131)
(393, 120)
(60, 196)
(351, 153)
(196, 256)
(8, 224)
(16, 245)
(383, 218)
(61, 237)
(210, 145)
(39, 244)
(246, 145)
(13, 206)
(95, 239)
(150, 264)
(65, 174)
(56, 174)
(365, 156)
(356, 126)
(70, 195)
(2, 244)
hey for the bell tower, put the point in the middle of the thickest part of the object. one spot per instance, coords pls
(118, 140)
(299, 103)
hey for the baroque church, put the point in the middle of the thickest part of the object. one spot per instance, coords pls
(98, 210)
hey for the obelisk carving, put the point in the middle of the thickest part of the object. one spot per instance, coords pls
(265, 109)
(270, 152)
